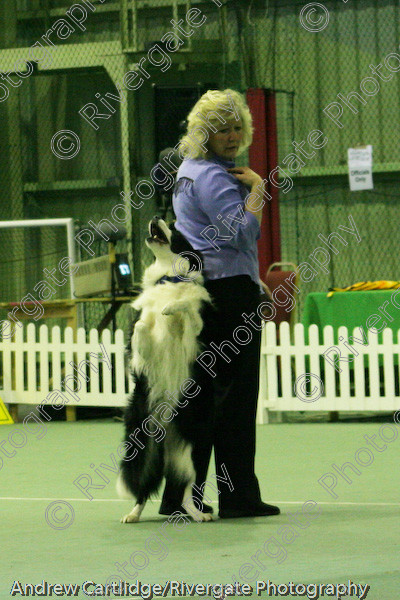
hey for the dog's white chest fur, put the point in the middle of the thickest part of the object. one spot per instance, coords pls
(165, 339)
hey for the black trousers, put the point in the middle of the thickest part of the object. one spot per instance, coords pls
(230, 388)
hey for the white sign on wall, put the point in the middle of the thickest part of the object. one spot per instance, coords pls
(360, 168)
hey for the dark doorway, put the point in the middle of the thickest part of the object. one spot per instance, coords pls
(172, 105)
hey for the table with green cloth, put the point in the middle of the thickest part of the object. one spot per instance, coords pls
(353, 309)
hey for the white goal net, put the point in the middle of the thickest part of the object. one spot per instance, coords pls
(36, 258)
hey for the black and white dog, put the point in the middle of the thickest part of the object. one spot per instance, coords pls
(160, 428)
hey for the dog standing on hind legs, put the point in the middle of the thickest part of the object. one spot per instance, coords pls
(165, 344)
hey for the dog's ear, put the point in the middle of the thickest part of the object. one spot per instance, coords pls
(180, 245)
(195, 259)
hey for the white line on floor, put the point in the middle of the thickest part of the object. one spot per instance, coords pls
(298, 502)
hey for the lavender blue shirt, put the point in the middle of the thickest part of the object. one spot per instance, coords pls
(209, 207)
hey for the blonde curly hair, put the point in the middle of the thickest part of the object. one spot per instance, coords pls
(213, 109)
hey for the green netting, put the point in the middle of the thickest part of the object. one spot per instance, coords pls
(262, 43)
(335, 70)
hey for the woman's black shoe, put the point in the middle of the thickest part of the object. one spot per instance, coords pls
(169, 509)
(261, 510)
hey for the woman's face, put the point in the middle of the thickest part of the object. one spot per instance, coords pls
(226, 141)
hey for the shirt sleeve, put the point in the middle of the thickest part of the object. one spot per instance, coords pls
(219, 198)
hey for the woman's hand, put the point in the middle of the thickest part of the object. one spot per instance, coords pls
(255, 200)
(245, 175)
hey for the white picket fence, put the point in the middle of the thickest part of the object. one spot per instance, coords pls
(295, 376)
(34, 364)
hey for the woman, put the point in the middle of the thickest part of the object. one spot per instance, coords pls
(219, 217)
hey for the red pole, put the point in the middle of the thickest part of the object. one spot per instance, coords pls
(263, 158)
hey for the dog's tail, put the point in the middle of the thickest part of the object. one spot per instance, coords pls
(142, 467)
(122, 490)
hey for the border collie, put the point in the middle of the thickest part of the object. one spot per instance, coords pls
(161, 429)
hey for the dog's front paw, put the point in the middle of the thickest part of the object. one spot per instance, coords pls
(168, 309)
(174, 307)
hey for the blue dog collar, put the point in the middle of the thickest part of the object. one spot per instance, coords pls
(165, 279)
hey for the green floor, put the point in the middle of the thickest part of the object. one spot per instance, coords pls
(356, 536)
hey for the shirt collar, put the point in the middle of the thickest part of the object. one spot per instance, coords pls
(222, 161)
